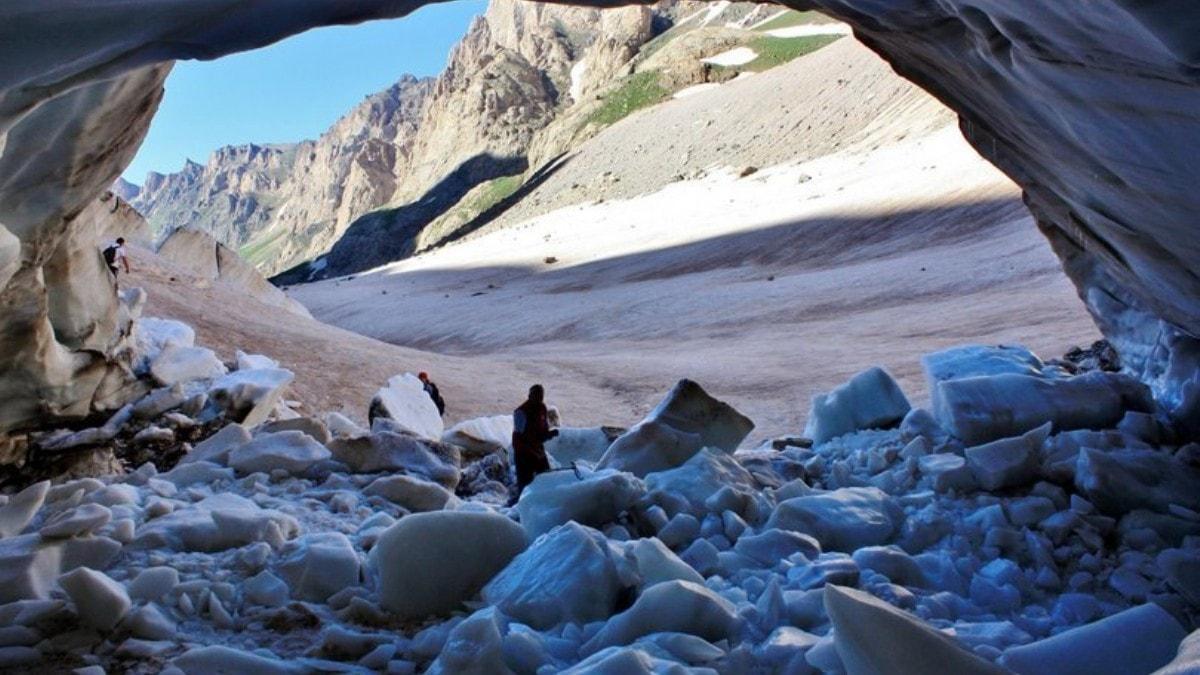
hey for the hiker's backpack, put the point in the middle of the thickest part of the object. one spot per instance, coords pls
(110, 255)
(519, 421)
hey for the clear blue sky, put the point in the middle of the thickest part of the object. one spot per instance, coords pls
(293, 89)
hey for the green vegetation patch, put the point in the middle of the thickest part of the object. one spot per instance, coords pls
(635, 92)
(492, 193)
(659, 41)
(257, 252)
(773, 51)
(793, 18)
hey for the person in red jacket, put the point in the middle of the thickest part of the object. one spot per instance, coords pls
(531, 429)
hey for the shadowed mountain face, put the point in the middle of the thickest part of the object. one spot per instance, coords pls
(278, 202)
(1091, 109)
(506, 80)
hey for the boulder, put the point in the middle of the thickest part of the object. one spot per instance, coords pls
(93, 435)
(892, 562)
(785, 648)
(21, 508)
(980, 360)
(947, 471)
(83, 519)
(412, 493)
(153, 583)
(567, 574)
(309, 425)
(1181, 569)
(249, 396)
(194, 251)
(100, 602)
(430, 563)
(216, 448)
(1138, 640)
(672, 606)
(318, 565)
(648, 447)
(290, 451)
(253, 361)
(177, 364)
(405, 402)
(655, 563)
(1008, 462)
(149, 623)
(239, 273)
(191, 473)
(482, 435)
(266, 589)
(625, 661)
(771, 546)
(214, 660)
(159, 401)
(151, 336)
(702, 476)
(682, 423)
(872, 636)
(474, 647)
(596, 499)
(1122, 481)
(870, 400)
(1187, 659)
(581, 444)
(845, 519)
(27, 568)
(389, 451)
(216, 523)
(985, 408)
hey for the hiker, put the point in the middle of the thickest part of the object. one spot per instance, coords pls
(114, 253)
(530, 430)
(432, 390)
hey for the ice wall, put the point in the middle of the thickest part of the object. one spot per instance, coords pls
(1092, 108)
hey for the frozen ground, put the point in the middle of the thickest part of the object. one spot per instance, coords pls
(767, 288)
(294, 544)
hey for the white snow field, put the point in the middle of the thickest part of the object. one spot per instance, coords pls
(734, 57)
(313, 545)
(770, 288)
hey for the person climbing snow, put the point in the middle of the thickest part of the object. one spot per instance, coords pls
(114, 256)
(432, 390)
(531, 429)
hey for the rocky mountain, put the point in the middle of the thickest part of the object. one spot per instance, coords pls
(310, 190)
(405, 157)
(125, 190)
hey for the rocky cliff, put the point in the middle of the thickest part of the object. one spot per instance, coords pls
(421, 143)
(279, 202)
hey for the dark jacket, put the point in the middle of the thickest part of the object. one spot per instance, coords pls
(432, 390)
(537, 425)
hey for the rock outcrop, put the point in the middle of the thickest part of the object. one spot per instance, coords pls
(281, 203)
(197, 253)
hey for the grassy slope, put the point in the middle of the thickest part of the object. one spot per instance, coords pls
(637, 91)
(793, 18)
(774, 51)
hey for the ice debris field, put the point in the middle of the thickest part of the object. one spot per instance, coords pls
(1036, 518)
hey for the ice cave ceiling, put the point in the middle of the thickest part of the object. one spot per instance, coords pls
(1092, 108)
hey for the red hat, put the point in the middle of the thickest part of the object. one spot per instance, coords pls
(422, 376)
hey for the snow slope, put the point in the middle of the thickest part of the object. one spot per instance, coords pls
(755, 286)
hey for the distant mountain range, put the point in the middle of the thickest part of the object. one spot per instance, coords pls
(428, 159)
